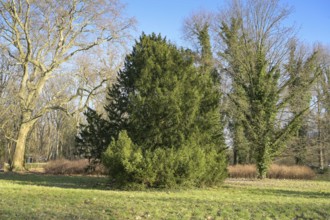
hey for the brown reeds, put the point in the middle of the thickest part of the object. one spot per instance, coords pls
(275, 172)
(290, 172)
(66, 167)
(242, 171)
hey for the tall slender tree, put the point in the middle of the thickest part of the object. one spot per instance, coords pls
(255, 46)
(299, 67)
(322, 110)
(196, 29)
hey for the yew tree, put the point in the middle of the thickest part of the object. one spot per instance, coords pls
(162, 100)
(164, 117)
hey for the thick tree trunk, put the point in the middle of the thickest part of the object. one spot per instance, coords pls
(18, 159)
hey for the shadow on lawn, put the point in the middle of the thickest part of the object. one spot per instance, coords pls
(293, 193)
(49, 214)
(75, 182)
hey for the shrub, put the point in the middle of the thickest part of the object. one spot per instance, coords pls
(122, 160)
(188, 165)
(275, 172)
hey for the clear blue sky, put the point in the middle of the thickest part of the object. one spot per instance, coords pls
(312, 17)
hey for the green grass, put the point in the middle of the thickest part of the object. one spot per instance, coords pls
(29, 196)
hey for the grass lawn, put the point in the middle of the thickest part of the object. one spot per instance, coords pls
(30, 196)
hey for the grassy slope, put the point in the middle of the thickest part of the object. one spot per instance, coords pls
(59, 197)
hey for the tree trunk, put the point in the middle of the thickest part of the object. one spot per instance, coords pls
(18, 159)
(319, 135)
(235, 156)
(262, 169)
(321, 157)
(263, 161)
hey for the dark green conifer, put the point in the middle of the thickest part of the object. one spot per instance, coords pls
(93, 137)
(170, 110)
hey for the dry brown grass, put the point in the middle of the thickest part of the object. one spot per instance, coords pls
(72, 167)
(67, 167)
(242, 171)
(275, 172)
(290, 172)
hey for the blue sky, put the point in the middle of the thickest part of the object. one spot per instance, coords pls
(312, 17)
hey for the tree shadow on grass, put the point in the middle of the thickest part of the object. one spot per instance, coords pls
(66, 214)
(74, 182)
(293, 193)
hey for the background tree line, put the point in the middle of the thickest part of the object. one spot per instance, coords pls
(274, 90)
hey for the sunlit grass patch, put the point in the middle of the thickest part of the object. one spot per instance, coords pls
(81, 197)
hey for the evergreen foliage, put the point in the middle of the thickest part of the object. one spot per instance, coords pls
(93, 137)
(122, 159)
(189, 165)
(171, 114)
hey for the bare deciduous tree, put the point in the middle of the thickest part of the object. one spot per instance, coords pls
(42, 36)
(322, 110)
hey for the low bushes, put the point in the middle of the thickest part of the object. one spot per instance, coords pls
(131, 166)
(275, 172)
